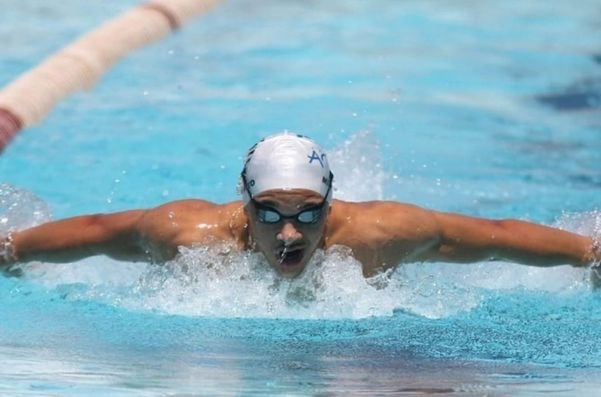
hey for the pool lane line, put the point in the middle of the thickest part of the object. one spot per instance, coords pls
(79, 65)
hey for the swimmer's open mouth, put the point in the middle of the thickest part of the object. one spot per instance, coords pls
(291, 256)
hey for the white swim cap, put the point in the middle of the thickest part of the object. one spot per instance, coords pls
(286, 161)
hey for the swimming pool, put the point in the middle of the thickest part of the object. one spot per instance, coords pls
(488, 109)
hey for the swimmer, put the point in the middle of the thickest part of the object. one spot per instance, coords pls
(287, 212)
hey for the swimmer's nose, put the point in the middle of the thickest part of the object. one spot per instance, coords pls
(288, 234)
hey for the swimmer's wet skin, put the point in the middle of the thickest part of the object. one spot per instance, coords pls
(287, 213)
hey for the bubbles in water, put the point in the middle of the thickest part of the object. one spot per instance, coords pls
(20, 209)
(221, 281)
(585, 223)
(354, 163)
(588, 224)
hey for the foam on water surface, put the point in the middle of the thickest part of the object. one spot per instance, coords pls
(488, 109)
(219, 281)
(20, 209)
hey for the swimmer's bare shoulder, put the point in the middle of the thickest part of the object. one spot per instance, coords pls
(382, 234)
(191, 222)
(135, 235)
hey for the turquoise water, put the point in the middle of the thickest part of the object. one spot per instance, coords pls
(482, 108)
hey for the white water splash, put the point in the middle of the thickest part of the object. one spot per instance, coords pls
(217, 281)
(358, 174)
(20, 209)
(222, 282)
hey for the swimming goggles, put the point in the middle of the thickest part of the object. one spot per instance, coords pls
(266, 214)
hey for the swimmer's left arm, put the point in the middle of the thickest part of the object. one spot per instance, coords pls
(468, 239)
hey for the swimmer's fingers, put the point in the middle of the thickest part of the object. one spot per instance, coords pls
(7, 251)
(595, 274)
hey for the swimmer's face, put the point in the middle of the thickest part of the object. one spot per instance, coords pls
(288, 242)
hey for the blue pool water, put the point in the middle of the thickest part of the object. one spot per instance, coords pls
(486, 108)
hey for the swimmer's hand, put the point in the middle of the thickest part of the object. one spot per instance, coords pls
(595, 260)
(596, 265)
(8, 257)
(7, 251)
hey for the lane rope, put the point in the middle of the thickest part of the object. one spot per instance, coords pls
(78, 66)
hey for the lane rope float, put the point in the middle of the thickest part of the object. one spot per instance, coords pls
(78, 66)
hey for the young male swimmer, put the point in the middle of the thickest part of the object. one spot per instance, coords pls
(287, 213)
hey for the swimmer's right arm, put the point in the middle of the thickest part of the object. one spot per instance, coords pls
(71, 239)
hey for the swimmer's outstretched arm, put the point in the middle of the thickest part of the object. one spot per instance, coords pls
(115, 235)
(469, 239)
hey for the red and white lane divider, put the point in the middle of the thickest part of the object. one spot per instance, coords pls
(29, 98)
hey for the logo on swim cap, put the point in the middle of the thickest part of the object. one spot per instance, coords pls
(286, 161)
(318, 157)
